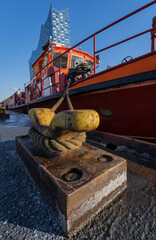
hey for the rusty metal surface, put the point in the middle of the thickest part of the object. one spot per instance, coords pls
(73, 178)
(135, 150)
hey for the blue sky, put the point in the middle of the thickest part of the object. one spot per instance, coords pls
(20, 23)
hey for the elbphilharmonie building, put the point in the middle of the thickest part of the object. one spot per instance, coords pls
(56, 26)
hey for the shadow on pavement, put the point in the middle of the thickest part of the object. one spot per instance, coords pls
(21, 203)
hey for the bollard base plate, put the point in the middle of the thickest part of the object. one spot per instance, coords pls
(78, 183)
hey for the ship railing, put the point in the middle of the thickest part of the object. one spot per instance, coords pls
(39, 92)
(95, 52)
(38, 89)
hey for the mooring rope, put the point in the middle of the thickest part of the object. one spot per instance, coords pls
(70, 106)
(60, 144)
(66, 94)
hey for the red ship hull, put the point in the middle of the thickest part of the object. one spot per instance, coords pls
(131, 107)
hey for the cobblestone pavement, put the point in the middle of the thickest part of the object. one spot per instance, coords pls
(25, 213)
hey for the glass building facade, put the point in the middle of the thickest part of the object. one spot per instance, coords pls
(58, 27)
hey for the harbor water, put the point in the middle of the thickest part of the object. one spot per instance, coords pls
(26, 214)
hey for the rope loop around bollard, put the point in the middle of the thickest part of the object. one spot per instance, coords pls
(57, 145)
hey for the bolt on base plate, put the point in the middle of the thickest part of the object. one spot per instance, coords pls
(78, 182)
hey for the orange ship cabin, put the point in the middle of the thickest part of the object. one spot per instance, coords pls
(55, 66)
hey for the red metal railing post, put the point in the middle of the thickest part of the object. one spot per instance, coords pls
(153, 39)
(24, 98)
(29, 96)
(42, 83)
(153, 34)
(94, 54)
(59, 67)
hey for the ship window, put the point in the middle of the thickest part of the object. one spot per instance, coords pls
(45, 60)
(64, 60)
(35, 69)
(76, 60)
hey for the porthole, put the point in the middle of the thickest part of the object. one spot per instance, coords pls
(105, 112)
